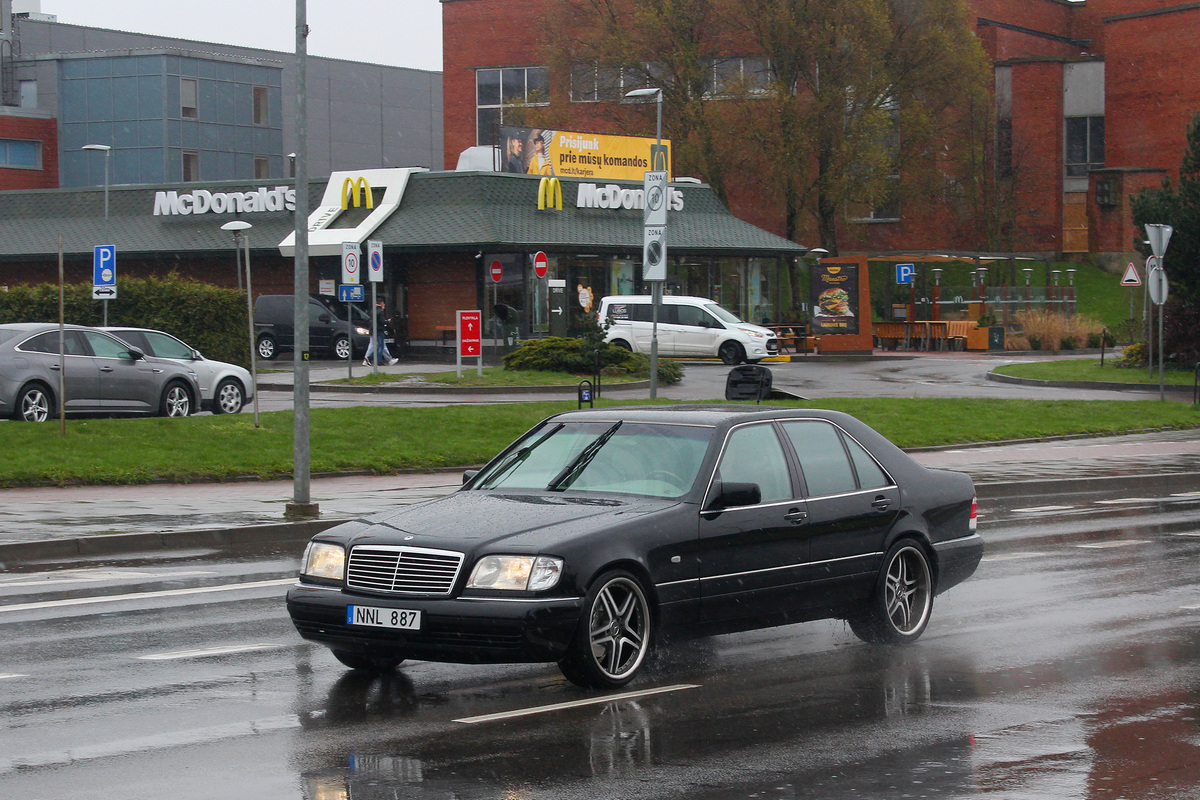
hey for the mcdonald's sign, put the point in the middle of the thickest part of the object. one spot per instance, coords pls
(550, 193)
(356, 189)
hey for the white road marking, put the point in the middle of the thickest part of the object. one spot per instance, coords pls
(612, 698)
(1190, 608)
(6, 675)
(117, 598)
(1127, 500)
(1110, 545)
(94, 575)
(208, 652)
(1185, 494)
(1037, 509)
(1011, 556)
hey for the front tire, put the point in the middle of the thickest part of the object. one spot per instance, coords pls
(176, 401)
(731, 353)
(229, 397)
(614, 635)
(267, 349)
(372, 664)
(900, 608)
(34, 404)
(341, 348)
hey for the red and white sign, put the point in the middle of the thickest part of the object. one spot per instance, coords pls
(541, 264)
(497, 271)
(1131, 277)
(350, 256)
(470, 329)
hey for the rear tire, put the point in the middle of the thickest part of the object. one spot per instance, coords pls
(902, 603)
(341, 348)
(614, 636)
(229, 398)
(34, 404)
(176, 401)
(621, 343)
(372, 664)
(267, 349)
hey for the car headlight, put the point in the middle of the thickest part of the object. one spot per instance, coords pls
(363, 331)
(516, 573)
(324, 560)
(755, 334)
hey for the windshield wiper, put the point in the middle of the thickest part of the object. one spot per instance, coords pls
(515, 460)
(570, 472)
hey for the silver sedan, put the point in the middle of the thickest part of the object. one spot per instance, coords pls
(224, 388)
(99, 373)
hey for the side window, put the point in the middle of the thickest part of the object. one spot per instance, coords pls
(695, 317)
(166, 346)
(106, 346)
(48, 343)
(755, 455)
(315, 310)
(870, 475)
(822, 457)
(137, 339)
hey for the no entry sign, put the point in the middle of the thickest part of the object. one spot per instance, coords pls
(541, 264)
(497, 271)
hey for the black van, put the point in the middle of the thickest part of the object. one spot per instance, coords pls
(328, 330)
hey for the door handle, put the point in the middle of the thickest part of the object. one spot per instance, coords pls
(106, 369)
(55, 367)
(795, 515)
(881, 503)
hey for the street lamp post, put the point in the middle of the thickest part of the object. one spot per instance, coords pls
(655, 285)
(241, 235)
(106, 149)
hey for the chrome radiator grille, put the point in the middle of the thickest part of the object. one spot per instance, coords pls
(409, 570)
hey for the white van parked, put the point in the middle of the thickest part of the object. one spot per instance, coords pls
(688, 327)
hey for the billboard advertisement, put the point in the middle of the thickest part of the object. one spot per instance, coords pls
(538, 151)
(835, 298)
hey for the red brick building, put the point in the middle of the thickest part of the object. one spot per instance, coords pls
(1093, 100)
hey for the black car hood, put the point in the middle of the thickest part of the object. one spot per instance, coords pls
(467, 520)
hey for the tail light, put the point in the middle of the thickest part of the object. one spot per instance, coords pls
(974, 512)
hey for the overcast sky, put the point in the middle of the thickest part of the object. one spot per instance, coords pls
(403, 33)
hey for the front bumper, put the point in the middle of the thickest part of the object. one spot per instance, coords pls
(467, 631)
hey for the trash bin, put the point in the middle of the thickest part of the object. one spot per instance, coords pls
(748, 382)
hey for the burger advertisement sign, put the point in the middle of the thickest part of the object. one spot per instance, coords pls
(835, 298)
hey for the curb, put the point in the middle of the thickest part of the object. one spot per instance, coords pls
(471, 390)
(1111, 386)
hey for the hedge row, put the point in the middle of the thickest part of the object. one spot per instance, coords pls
(209, 318)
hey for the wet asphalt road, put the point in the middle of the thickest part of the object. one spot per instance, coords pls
(1066, 668)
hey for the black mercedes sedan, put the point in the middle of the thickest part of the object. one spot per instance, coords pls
(601, 532)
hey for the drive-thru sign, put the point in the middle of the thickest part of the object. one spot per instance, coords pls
(470, 339)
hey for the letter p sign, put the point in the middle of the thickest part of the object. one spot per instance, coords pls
(904, 273)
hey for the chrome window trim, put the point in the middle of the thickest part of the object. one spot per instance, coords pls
(789, 566)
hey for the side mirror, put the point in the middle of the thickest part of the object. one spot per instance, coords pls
(732, 494)
(468, 475)
(136, 353)
(325, 318)
(196, 356)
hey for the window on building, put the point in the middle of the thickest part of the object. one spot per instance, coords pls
(261, 112)
(1085, 145)
(262, 167)
(188, 94)
(725, 76)
(595, 83)
(496, 89)
(20, 154)
(191, 165)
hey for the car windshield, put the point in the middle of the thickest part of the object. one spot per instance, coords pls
(722, 314)
(623, 457)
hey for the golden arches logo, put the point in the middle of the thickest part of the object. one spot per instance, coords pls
(833, 270)
(550, 193)
(356, 189)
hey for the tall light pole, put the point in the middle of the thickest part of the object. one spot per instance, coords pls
(106, 149)
(240, 235)
(656, 283)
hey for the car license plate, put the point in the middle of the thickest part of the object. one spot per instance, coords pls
(384, 617)
(389, 341)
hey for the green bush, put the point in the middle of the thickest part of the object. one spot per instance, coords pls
(209, 318)
(575, 357)
(1068, 343)
(1134, 355)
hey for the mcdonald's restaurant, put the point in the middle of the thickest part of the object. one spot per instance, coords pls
(535, 253)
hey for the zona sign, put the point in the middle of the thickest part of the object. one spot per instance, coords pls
(541, 264)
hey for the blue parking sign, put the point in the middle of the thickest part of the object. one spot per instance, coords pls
(904, 273)
(104, 265)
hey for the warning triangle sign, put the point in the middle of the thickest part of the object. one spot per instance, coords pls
(1131, 277)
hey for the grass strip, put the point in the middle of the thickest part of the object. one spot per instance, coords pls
(388, 440)
(1087, 369)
